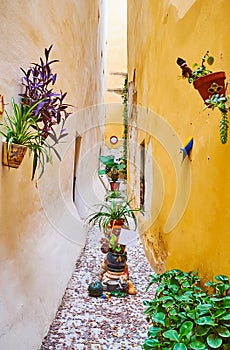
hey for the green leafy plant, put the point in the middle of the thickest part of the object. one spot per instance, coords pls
(184, 316)
(39, 111)
(199, 71)
(113, 211)
(113, 168)
(108, 214)
(116, 194)
(219, 101)
(214, 100)
(21, 128)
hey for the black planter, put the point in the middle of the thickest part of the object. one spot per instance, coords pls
(116, 261)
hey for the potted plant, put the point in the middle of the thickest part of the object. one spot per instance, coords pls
(111, 217)
(35, 117)
(184, 316)
(204, 80)
(113, 213)
(114, 195)
(21, 132)
(113, 169)
(211, 87)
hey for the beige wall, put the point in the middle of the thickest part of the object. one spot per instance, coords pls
(116, 66)
(116, 61)
(41, 233)
(177, 234)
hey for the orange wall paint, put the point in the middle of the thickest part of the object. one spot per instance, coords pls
(159, 32)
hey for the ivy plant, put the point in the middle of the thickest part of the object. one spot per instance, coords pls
(184, 316)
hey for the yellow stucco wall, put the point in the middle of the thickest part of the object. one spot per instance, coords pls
(159, 32)
(41, 233)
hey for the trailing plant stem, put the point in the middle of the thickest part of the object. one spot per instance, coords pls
(224, 125)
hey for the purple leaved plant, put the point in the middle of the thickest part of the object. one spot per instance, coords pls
(38, 82)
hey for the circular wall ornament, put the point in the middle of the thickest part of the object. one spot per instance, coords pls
(113, 140)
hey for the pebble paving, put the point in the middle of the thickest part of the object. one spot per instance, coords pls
(88, 323)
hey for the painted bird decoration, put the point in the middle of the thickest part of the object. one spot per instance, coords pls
(187, 149)
(186, 71)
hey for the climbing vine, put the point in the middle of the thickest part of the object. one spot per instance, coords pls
(124, 97)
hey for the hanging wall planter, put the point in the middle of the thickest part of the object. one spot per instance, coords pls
(211, 87)
(204, 80)
(13, 156)
(213, 83)
(32, 120)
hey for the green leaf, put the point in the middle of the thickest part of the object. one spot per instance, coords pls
(173, 312)
(214, 341)
(203, 308)
(186, 328)
(35, 162)
(222, 278)
(174, 288)
(226, 302)
(206, 320)
(101, 172)
(202, 330)
(223, 331)
(180, 346)
(226, 317)
(153, 331)
(150, 344)
(219, 313)
(159, 317)
(197, 345)
(192, 314)
(210, 60)
(171, 334)
(106, 159)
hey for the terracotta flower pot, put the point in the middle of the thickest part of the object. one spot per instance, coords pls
(116, 223)
(14, 156)
(213, 83)
(114, 185)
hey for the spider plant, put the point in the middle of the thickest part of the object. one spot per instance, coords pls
(113, 211)
(21, 128)
(112, 195)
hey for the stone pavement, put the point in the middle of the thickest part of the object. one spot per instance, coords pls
(87, 323)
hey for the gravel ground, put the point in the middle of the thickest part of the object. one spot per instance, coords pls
(87, 323)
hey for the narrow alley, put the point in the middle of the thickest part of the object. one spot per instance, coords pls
(87, 323)
(114, 114)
